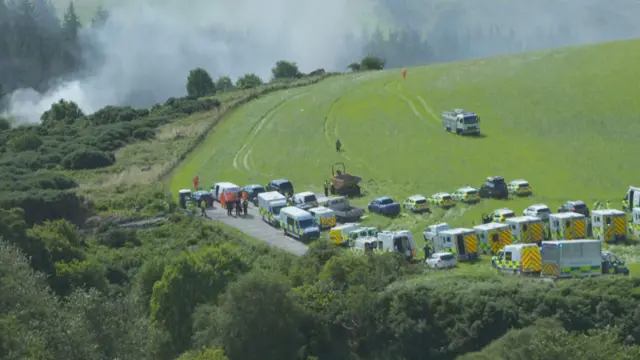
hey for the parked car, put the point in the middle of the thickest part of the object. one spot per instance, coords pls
(283, 186)
(494, 187)
(441, 260)
(416, 203)
(384, 206)
(498, 216)
(252, 192)
(467, 195)
(520, 187)
(576, 206)
(540, 211)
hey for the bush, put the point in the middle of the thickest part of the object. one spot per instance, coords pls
(63, 111)
(248, 81)
(26, 142)
(114, 114)
(285, 70)
(224, 83)
(199, 83)
(87, 159)
(5, 124)
(113, 236)
(372, 63)
(354, 67)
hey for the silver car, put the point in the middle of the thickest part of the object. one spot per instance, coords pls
(442, 260)
(541, 211)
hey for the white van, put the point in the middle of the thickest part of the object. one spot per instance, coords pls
(299, 223)
(305, 200)
(398, 241)
(223, 187)
(269, 205)
(325, 217)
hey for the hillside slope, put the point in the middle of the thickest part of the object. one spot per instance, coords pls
(565, 120)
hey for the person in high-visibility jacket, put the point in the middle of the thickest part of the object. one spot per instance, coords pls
(203, 208)
(223, 202)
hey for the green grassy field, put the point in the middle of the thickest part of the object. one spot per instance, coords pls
(565, 120)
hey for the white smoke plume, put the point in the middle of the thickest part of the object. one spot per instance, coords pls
(147, 48)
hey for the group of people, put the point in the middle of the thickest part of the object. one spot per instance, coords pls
(239, 201)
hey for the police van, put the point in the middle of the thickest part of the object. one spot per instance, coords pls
(269, 205)
(299, 223)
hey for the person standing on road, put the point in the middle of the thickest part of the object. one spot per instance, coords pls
(326, 188)
(427, 251)
(338, 145)
(223, 202)
(245, 206)
(203, 208)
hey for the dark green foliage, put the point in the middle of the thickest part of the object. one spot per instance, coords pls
(354, 67)
(372, 63)
(25, 143)
(111, 235)
(248, 81)
(224, 84)
(114, 114)
(285, 70)
(200, 83)
(62, 112)
(4, 123)
(85, 159)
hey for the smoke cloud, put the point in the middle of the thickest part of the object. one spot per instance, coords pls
(145, 50)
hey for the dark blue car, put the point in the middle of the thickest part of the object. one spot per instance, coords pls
(384, 206)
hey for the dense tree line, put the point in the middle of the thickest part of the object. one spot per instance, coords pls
(35, 45)
(407, 46)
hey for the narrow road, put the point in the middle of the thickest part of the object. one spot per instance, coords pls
(253, 225)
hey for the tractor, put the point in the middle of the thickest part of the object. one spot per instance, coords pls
(343, 183)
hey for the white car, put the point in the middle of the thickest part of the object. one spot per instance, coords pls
(442, 260)
(540, 211)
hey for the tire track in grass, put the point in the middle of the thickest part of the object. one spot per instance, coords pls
(415, 110)
(428, 108)
(255, 130)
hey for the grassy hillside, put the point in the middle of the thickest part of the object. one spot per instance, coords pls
(565, 120)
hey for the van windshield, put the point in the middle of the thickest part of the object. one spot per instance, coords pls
(470, 119)
(372, 232)
(446, 197)
(306, 223)
(276, 210)
(309, 199)
(421, 201)
(472, 192)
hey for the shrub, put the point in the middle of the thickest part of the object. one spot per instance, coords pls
(285, 70)
(354, 67)
(372, 63)
(224, 84)
(111, 235)
(4, 124)
(249, 81)
(87, 159)
(199, 83)
(62, 112)
(26, 142)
